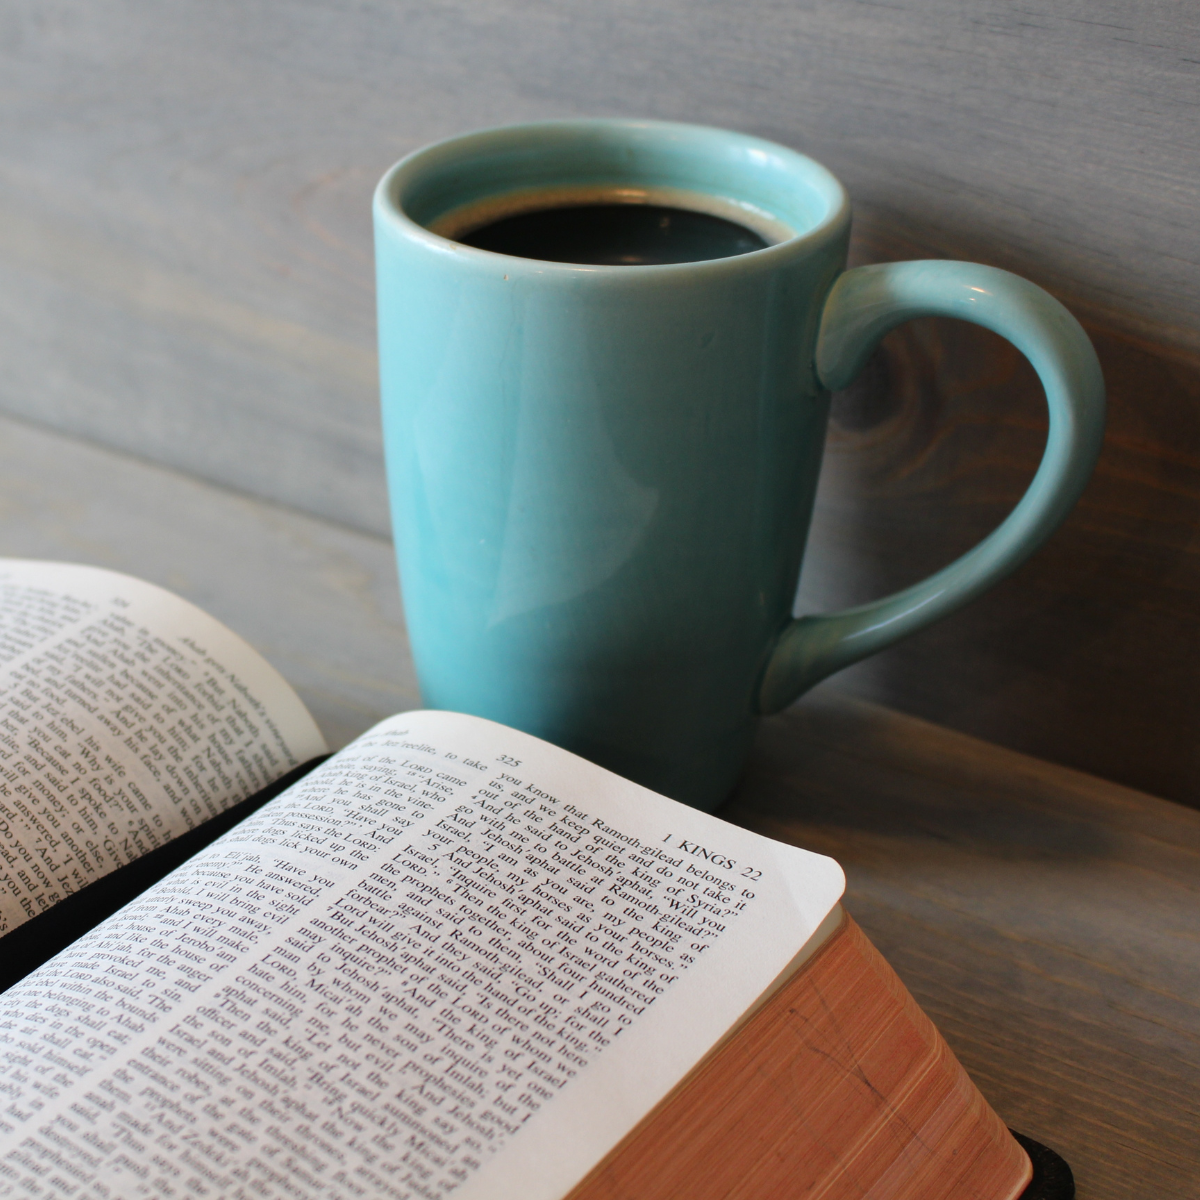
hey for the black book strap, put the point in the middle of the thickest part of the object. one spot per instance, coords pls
(42, 937)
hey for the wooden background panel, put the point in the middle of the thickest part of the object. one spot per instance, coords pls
(184, 189)
(185, 274)
(99, 342)
(1090, 653)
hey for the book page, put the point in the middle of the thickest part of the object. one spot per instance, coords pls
(127, 717)
(453, 960)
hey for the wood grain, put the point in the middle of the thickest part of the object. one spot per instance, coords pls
(1046, 921)
(184, 190)
(1090, 654)
(839, 1087)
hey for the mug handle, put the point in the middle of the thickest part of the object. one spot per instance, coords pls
(863, 305)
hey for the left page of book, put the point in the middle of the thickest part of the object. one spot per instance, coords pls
(127, 717)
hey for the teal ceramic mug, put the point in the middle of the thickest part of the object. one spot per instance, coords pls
(602, 476)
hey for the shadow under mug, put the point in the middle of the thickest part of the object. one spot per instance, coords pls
(602, 477)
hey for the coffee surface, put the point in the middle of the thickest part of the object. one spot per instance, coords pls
(615, 235)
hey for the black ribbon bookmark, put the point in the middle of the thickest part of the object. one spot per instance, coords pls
(42, 937)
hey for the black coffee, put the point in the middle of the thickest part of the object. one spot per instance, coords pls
(614, 235)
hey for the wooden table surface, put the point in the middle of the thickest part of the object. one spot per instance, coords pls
(1049, 922)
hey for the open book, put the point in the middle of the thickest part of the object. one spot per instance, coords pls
(451, 960)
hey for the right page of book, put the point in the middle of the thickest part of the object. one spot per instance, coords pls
(653, 929)
(452, 960)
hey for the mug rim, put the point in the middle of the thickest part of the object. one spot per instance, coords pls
(451, 155)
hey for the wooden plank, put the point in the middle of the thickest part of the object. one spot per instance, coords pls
(184, 192)
(101, 341)
(1047, 921)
